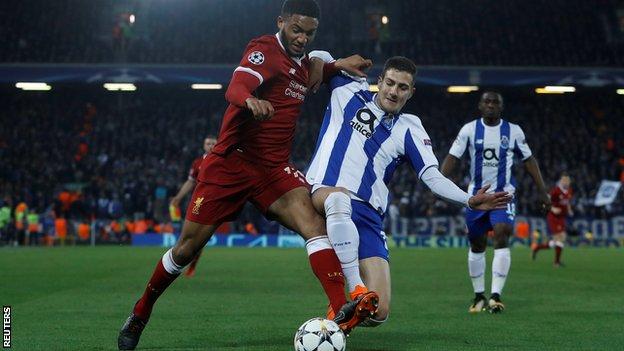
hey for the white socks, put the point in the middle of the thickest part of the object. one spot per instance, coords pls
(476, 269)
(500, 269)
(170, 266)
(344, 236)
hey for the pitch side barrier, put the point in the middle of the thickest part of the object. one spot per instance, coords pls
(417, 241)
(423, 233)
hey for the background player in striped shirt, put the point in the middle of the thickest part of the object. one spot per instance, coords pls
(189, 184)
(364, 137)
(492, 144)
(561, 197)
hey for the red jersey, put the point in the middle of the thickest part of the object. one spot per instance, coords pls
(560, 199)
(283, 82)
(194, 170)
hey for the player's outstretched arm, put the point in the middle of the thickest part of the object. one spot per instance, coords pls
(485, 202)
(355, 65)
(449, 191)
(530, 164)
(323, 67)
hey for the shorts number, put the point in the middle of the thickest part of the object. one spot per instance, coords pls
(296, 173)
(511, 210)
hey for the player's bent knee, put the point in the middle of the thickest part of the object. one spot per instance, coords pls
(501, 243)
(338, 204)
(501, 239)
(478, 246)
(191, 242)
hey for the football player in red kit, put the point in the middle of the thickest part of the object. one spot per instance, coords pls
(250, 162)
(189, 184)
(561, 196)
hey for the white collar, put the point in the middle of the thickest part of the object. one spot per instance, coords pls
(294, 58)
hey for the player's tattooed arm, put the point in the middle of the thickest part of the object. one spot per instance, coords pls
(532, 167)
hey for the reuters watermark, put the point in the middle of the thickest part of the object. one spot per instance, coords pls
(6, 327)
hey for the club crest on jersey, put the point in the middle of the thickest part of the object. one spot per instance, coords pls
(198, 203)
(364, 122)
(504, 142)
(256, 57)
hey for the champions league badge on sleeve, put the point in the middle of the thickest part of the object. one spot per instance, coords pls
(256, 57)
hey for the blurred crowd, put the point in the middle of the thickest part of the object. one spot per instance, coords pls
(110, 162)
(445, 32)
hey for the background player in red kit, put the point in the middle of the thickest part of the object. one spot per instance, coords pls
(250, 162)
(189, 184)
(561, 196)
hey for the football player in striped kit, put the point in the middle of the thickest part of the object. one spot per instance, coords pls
(364, 137)
(492, 143)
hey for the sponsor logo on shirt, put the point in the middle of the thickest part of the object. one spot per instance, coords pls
(364, 122)
(296, 90)
(490, 159)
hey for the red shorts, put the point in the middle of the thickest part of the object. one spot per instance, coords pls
(225, 183)
(556, 224)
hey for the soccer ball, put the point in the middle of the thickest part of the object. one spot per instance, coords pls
(319, 334)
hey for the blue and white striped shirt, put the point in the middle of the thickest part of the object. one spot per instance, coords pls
(360, 146)
(491, 149)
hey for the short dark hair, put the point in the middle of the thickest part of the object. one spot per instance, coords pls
(400, 63)
(498, 95)
(307, 8)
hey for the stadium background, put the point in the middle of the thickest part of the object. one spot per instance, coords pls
(109, 161)
(92, 156)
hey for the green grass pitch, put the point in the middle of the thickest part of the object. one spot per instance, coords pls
(77, 298)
